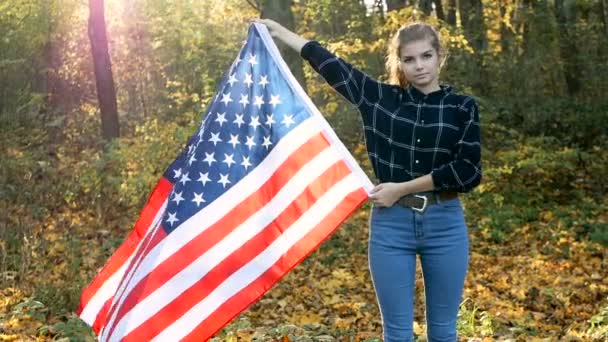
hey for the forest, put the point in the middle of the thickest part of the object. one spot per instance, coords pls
(98, 97)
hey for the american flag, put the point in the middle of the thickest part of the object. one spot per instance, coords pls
(261, 184)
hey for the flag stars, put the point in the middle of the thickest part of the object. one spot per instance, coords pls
(275, 100)
(244, 100)
(177, 173)
(215, 138)
(232, 80)
(264, 81)
(172, 218)
(177, 197)
(228, 159)
(184, 179)
(246, 163)
(209, 158)
(269, 120)
(239, 120)
(248, 81)
(198, 199)
(266, 142)
(224, 179)
(252, 60)
(288, 120)
(191, 160)
(259, 101)
(226, 99)
(234, 140)
(203, 178)
(250, 143)
(255, 122)
(221, 118)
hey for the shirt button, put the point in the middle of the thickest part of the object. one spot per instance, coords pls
(422, 121)
(418, 140)
(416, 161)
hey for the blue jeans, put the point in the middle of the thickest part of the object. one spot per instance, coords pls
(440, 236)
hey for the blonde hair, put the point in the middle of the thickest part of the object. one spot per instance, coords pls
(406, 34)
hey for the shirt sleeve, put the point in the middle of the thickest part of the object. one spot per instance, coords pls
(464, 172)
(356, 86)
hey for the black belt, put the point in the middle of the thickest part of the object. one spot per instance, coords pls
(422, 200)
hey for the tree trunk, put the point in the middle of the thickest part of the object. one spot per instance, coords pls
(567, 46)
(604, 5)
(392, 5)
(451, 19)
(439, 10)
(106, 93)
(280, 11)
(425, 6)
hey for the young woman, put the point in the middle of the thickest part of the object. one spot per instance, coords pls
(423, 141)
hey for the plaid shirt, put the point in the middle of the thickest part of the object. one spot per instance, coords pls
(409, 134)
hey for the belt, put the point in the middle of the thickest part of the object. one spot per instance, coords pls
(420, 201)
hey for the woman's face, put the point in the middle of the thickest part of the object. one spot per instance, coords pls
(420, 63)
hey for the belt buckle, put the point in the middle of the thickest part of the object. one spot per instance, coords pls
(426, 199)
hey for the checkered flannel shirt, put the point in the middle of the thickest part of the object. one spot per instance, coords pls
(409, 134)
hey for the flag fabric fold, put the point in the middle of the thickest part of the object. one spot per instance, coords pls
(260, 185)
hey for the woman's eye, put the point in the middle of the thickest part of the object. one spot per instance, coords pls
(428, 56)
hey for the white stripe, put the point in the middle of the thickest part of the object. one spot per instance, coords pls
(239, 236)
(263, 261)
(297, 88)
(109, 287)
(127, 278)
(205, 218)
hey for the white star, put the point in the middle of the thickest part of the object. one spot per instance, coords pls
(232, 80)
(238, 60)
(274, 100)
(215, 138)
(204, 178)
(221, 118)
(234, 140)
(264, 81)
(239, 120)
(190, 148)
(246, 162)
(269, 120)
(288, 120)
(192, 160)
(226, 99)
(248, 81)
(252, 60)
(198, 199)
(172, 218)
(255, 122)
(184, 179)
(177, 197)
(228, 159)
(259, 101)
(250, 142)
(209, 158)
(178, 173)
(266, 142)
(244, 100)
(223, 179)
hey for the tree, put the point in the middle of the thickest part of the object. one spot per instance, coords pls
(392, 5)
(104, 80)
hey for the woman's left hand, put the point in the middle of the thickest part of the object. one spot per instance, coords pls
(386, 194)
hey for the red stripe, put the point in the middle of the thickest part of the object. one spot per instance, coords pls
(235, 305)
(151, 241)
(218, 231)
(122, 254)
(186, 300)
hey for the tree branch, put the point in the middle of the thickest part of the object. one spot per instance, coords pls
(255, 4)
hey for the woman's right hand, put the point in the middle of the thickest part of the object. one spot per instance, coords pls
(283, 34)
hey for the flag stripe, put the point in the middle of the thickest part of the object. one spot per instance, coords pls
(243, 299)
(104, 285)
(207, 283)
(199, 222)
(261, 263)
(236, 237)
(204, 241)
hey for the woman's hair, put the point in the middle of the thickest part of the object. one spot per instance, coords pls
(407, 34)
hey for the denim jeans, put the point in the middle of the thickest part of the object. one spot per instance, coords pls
(440, 237)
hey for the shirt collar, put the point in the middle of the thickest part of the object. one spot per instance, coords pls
(416, 95)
